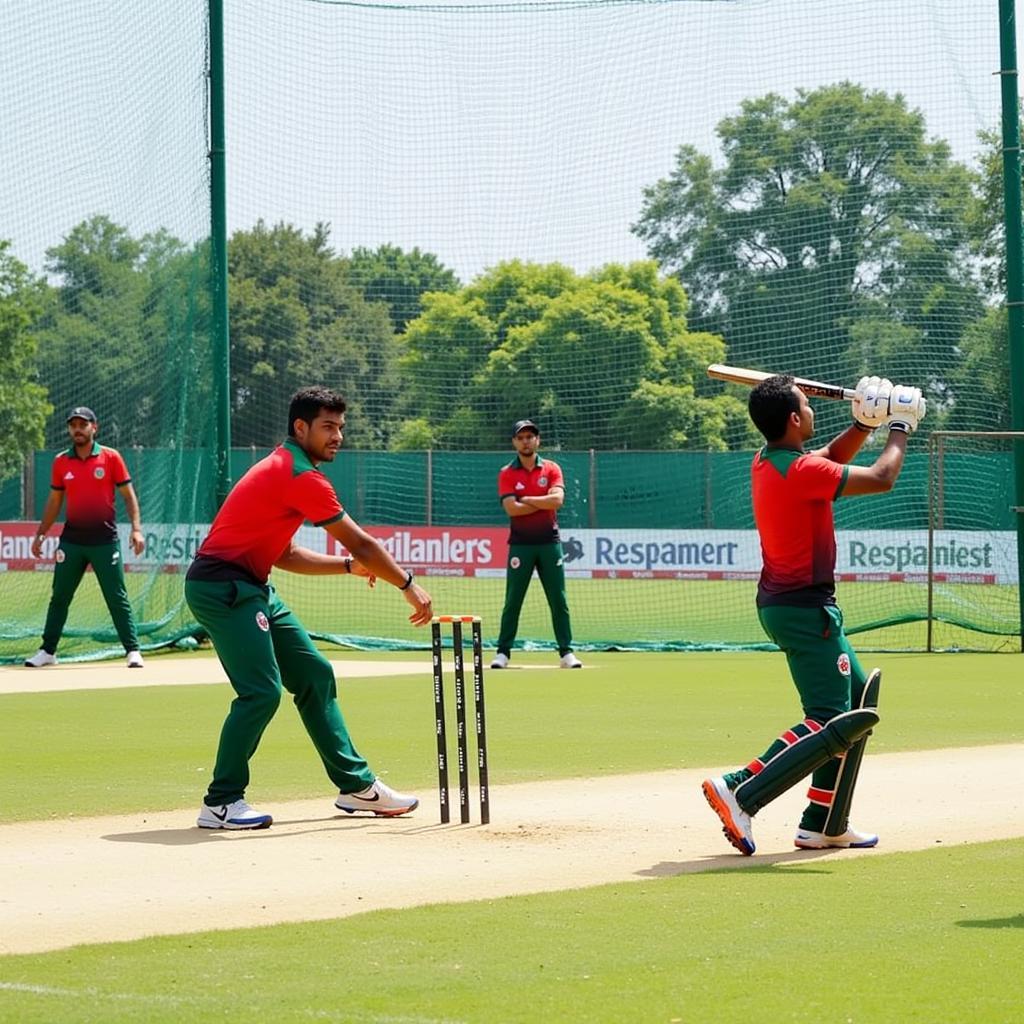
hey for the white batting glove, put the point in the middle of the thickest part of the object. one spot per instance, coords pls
(871, 402)
(907, 407)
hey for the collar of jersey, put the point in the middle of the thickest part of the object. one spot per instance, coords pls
(300, 460)
(516, 464)
(71, 454)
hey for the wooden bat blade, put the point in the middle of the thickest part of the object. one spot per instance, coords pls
(751, 378)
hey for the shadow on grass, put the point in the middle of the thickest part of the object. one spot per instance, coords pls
(994, 922)
(736, 862)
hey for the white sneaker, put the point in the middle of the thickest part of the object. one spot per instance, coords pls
(500, 661)
(570, 661)
(851, 839)
(377, 799)
(40, 659)
(735, 820)
(134, 660)
(235, 815)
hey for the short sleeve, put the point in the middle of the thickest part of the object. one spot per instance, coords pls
(819, 478)
(55, 478)
(505, 485)
(119, 469)
(555, 478)
(312, 495)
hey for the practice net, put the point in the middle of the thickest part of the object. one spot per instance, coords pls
(461, 215)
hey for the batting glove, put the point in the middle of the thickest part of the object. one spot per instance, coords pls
(907, 407)
(871, 402)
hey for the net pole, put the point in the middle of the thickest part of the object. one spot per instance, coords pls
(219, 253)
(1014, 260)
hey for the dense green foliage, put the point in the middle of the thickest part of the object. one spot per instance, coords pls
(836, 236)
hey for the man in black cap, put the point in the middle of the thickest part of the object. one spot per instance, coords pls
(531, 491)
(88, 474)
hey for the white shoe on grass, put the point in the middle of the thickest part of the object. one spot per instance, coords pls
(851, 839)
(500, 661)
(377, 799)
(236, 815)
(41, 659)
(569, 661)
(134, 660)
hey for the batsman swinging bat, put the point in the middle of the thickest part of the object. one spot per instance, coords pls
(750, 378)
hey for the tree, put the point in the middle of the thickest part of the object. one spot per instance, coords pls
(604, 360)
(399, 279)
(117, 330)
(23, 405)
(296, 319)
(829, 211)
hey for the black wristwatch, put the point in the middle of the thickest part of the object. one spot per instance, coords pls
(408, 580)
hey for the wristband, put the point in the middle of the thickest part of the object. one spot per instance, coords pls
(903, 428)
(348, 566)
(408, 580)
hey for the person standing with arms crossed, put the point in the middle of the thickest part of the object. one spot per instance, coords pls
(531, 491)
(260, 642)
(793, 491)
(88, 474)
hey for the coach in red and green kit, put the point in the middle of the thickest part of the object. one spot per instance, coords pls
(86, 475)
(531, 491)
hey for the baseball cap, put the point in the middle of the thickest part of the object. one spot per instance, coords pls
(81, 412)
(525, 425)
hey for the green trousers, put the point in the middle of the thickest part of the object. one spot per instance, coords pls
(106, 562)
(547, 560)
(828, 678)
(265, 649)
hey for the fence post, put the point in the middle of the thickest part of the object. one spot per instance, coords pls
(592, 491)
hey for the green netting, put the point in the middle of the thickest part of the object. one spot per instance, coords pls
(461, 214)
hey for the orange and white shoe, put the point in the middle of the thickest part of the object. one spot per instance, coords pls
(735, 820)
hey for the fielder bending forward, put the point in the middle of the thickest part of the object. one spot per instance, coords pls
(792, 493)
(260, 642)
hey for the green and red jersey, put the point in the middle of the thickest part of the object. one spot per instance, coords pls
(259, 517)
(88, 485)
(792, 495)
(514, 480)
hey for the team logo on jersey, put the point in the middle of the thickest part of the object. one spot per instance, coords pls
(514, 562)
(263, 622)
(543, 481)
(59, 556)
(520, 486)
(843, 664)
(69, 475)
(99, 472)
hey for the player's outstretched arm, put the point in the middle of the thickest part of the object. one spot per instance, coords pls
(376, 558)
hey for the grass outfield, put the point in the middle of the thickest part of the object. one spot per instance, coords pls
(151, 748)
(906, 937)
(606, 613)
(901, 937)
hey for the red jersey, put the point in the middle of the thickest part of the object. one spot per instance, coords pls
(88, 485)
(259, 517)
(540, 527)
(792, 495)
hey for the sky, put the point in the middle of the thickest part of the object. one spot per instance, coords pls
(476, 132)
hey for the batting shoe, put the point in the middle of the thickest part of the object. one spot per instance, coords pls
(735, 820)
(236, 815)
(851, 839)
(500, 660)
(569, 661)
(378, 799)
(41, 659)
(134, 660)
